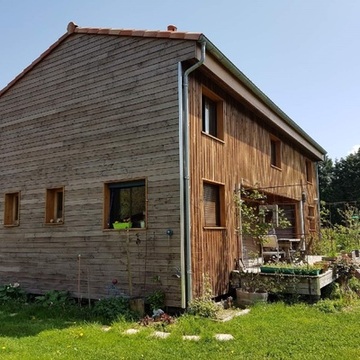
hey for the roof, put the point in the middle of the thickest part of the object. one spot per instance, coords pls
(172, 33)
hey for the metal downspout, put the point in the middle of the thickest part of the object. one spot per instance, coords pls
(186, 172)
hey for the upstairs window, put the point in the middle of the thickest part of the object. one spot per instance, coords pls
(11, 215)
(212, 115)
(125, 205)
(275, 152)
(54, 212)
(309, 171)
(212, 196)
(311, 218)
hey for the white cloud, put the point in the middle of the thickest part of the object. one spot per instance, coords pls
(354, 149)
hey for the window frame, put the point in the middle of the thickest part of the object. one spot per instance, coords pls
(219, 215)
(311, 218)
(118, 184)
(54, 204)
(217, 131)
(309, 171)
(12, 209)
(275, 152)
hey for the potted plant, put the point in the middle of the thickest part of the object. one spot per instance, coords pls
(253, 288)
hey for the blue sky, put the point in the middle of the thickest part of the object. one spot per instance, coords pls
(303, 54)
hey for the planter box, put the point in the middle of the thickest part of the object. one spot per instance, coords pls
(122, 225)
(285, 270)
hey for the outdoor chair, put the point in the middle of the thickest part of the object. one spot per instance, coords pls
(270, 248)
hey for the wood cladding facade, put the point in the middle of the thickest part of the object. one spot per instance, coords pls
(96, 109)
(240, 156)
(100, 109)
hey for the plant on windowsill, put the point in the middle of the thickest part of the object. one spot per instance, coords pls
(120, 225)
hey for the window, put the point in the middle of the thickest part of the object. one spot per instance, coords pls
(125, 202)
(54, 206)
(311, 218)
(212, 195)
(275, 152)
(11, 215)
(212, 114)
(309, 171)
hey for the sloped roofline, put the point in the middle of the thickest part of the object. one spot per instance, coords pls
(171, 33)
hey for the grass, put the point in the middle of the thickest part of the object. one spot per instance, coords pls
(271, 331)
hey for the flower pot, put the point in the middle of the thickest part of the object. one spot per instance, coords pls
(122, 225)
(244, 298)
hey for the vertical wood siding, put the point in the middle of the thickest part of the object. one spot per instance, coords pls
(243, 157)
(96, 109)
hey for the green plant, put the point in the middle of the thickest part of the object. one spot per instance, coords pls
(254, 218)
(204, 305)
(55, 298)
(12, 292)
(156, 300)
(112, 308)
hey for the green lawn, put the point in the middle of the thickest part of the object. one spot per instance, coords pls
(272, 331)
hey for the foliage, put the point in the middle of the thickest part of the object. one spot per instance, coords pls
(12, 292)
(253, 218)
(55, 298)
(339, 237)
(112, 308)
(156, 300)
(338, 184)
(204, 306)
(277, 283)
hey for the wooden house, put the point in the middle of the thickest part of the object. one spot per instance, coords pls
(151, 132)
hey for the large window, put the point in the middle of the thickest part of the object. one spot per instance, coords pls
(54, 212)
(275, 152)
(212, 114)
(125, 203)
(212, 196)
(11, 214)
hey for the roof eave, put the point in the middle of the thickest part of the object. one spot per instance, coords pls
(212, 49)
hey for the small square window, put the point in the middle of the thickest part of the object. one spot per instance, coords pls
(125, 205)
(309, 171)
(212, 196)
(54, 213)
(212, 115)
(311, 218)
(12, 205)
(275, 153)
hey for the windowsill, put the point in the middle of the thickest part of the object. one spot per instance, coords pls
(54, 223)
(11, 225)
(214, 228)
(213, 137)
(276, 167)
(128, 229)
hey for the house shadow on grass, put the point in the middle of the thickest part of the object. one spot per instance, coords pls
(21, 320)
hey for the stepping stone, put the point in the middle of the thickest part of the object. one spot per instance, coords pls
(161, 334)
(106, 328)
(224, 337)
(131, 331)
(191, 337)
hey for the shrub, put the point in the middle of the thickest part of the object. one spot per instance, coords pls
(156, 300)
(12, 292)
(55, 298)
(204, 306)
(113, 308)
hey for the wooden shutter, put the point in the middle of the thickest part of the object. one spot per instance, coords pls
(211, 205)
